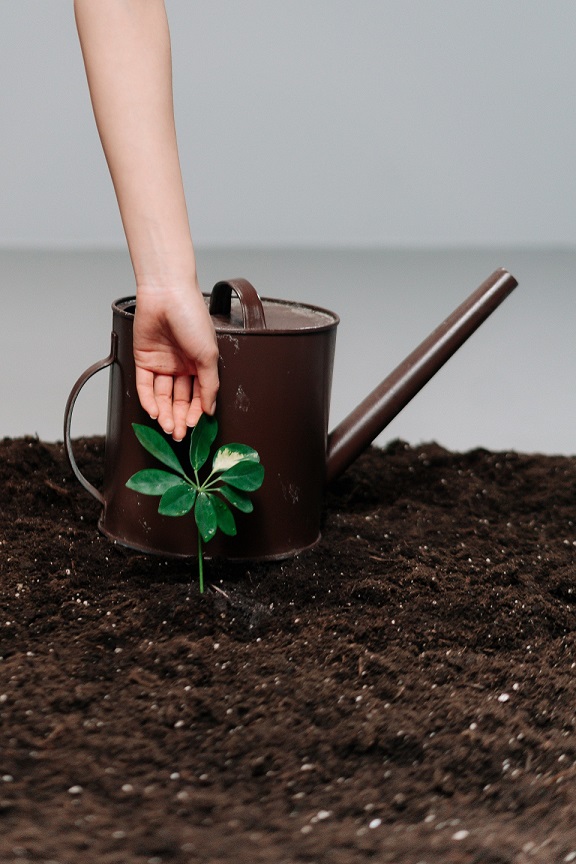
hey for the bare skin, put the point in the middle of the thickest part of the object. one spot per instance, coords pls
(126, 49)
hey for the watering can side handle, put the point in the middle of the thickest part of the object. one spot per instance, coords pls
(92, 370)
(252, 310)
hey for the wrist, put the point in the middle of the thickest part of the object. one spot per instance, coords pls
(161, 296)
(167, 273)
(165, 284)
(161, 251)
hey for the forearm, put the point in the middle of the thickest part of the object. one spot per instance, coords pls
(126, 49)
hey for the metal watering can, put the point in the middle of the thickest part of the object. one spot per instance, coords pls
(276, 361)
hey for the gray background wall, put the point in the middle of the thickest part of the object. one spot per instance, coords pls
(378, 157)
(376, 122)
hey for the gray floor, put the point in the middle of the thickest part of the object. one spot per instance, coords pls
(511, 386)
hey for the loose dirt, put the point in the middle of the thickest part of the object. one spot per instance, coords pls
(404, 693)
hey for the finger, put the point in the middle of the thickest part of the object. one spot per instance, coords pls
(206, 386)
(181, 399)
(163, 386)
(195, 409)
(145, 389)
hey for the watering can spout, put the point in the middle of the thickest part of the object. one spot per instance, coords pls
(357, 431)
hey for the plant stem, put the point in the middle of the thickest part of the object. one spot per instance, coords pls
(200, 564)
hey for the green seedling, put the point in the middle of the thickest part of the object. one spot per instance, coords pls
(236, 470)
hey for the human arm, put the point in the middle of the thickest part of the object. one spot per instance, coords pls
(126, 49)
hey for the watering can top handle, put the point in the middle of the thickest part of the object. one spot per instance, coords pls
(250, 302)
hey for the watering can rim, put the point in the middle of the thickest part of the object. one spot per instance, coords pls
(332, 319)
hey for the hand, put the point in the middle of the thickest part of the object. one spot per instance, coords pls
(176, 356)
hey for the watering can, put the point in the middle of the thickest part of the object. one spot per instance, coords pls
(275, 367)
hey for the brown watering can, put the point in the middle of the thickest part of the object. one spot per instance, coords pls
(276, 363)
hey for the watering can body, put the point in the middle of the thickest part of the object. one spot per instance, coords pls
(275, 369)
(276, 361)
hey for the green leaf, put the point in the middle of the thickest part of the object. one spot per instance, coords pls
(230, 454)
(238, 499)
(224, 517)
(178, 500)
(153, 481)
(247, 476)
(201, 440)
(154, 443)
(205, 516)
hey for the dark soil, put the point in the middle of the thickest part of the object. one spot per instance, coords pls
(405, 692)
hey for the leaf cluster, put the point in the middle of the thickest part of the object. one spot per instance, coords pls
(235, 471)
